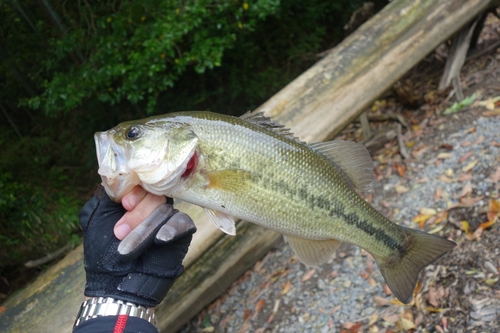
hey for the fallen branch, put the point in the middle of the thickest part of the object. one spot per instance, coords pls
(49, 257)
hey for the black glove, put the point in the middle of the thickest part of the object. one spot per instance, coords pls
(149, 260)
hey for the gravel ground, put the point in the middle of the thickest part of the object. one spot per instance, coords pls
(280, 294)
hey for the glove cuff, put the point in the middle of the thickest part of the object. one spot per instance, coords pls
(136, 288)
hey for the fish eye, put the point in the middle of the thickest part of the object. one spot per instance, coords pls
(133, 133)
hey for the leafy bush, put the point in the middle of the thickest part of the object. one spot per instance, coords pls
(33, 222)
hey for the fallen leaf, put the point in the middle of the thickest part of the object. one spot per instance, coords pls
(466, 190)
(466, 144)
(372, 319)
(428, 211)
(349, 327)
(381, 301)
(443, 156)
(486, 225)
(490, 102)
(464, 177)
(465, 156)
(308, 275)
(260, 304)
(401, 189)
(437, 194)
(394, 318)
(247, 314)
(432, 297)
(422, 180)
(436, 229)
(446, 179)
(470, 166)
(407, 324)
(2, 309)
(465, 226)
(446, 146)
(287, 287)
(449, 172)
(208, 329)
(495, 177)
(491, 113)
(400, 168)
(421, 219)
(470, 201)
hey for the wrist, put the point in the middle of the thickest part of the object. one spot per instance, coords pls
(94, 307)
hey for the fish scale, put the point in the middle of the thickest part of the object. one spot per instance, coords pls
(253, 169)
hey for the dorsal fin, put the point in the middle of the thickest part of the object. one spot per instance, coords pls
(261, 120)
(353, 160)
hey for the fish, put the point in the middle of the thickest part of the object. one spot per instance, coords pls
(254, 169)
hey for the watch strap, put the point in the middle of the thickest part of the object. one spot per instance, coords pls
(108, 306)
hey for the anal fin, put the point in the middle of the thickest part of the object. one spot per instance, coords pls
(222, 221)
(313, 252)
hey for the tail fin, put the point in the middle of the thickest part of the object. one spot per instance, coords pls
(401, 277)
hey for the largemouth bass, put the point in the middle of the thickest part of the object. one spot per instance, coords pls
(253, 169)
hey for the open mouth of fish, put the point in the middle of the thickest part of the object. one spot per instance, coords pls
(117, 178)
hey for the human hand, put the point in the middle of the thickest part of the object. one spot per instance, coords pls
(139, 205)
(147, 270)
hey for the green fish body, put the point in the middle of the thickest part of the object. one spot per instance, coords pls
(253, 169)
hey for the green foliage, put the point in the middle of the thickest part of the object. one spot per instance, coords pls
(33, 223)
(141, 48)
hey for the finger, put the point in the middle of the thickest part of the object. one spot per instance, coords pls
(139, 213)
(131, 199)
(179, 224)
(140, 238)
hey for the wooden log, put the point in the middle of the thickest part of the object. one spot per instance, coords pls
(327, 97)
(316, 106)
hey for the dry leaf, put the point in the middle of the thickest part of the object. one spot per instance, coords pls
(428, 211)
(422, 180)
(466, 190)
(470, 166)
(421, 219)
(260, 304)
(394, 318)
(287, 287)
(465, 156)
(443, 156)
(208, 329)
(437, 194)
(372, 319)
(465, 226)
(400, 168)
(470, 201)
(401, 189)
(432, 297)
(496, 175)
(464, 177)
(308, 275)
(446, 179)
(407, 324)
(381, 301)
(486, 225)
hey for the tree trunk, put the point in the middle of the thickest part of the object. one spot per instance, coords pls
(316, 106)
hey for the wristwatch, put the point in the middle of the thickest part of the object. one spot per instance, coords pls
(108, 306)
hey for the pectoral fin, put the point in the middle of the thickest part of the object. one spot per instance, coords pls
(313, 252)
(231, 180)
(222, 221)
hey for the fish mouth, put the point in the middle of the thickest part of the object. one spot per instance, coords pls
(117, 178)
